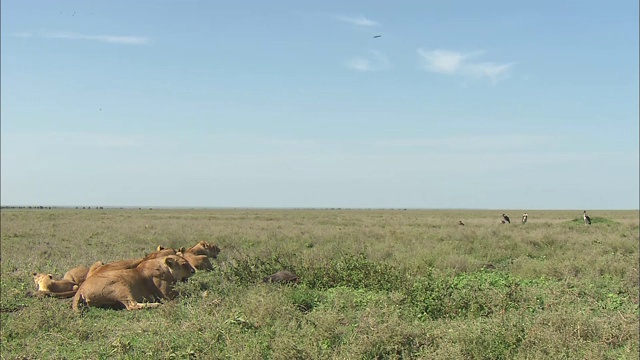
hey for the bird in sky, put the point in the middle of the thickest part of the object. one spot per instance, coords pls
(377, 36)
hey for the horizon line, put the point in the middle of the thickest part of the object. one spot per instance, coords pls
(181, 207)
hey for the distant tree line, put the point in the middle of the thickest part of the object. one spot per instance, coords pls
(50, 207)
(29, 207)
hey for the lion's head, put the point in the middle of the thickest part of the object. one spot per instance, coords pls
(180, 268)
(42, 280)
(205, 248)
(45, 282)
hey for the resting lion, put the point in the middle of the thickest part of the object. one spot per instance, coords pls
(162, 251)
(204, 248)
(137, 288)
(100, 267)
(47, 286)
(77, 274)
(199, 262)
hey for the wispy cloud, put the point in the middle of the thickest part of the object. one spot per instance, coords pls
(495, 72)
(113, 39)
(376, 61)
(474, 142)
(75, 139)
(256, 139)
(457, 63)
(357, 20)
(442, 61)
(22, 35)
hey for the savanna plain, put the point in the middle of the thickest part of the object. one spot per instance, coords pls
(374, 284)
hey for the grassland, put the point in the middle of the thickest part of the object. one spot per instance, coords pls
(374, 285)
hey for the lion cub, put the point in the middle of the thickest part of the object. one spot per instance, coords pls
(46, 285)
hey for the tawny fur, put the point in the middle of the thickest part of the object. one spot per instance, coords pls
(46, 285)
(204, 248)
(140, 287)
(199, 262)
(77, 275)
(100, 267)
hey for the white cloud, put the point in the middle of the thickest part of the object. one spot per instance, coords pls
(457, 63)
(376, 61)
(442, 61)
(359, 20)
(113, 39)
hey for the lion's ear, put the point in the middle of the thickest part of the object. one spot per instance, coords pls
(34, 274)
(181, 249)
(169, 261)
(50, 276)
(160, 247)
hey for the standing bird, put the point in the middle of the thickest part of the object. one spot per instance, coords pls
(506, 218)
(524, 218)
(460, 223)
(587, 219)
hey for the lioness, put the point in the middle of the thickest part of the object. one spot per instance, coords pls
(204, 248)
(199, 262)
(162, 251)
(137, 288)
(100, 267)
(47, 286)
(77, 274)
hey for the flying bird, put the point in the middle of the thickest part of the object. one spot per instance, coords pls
(587, 219)
(377, 36)
(506, 218)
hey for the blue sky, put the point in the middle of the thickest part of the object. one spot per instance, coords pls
(459, 104)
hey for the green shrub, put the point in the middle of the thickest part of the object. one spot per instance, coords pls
(479, 294)
(354, 271)
(306, 299)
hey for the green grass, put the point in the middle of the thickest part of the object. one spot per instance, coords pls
(373, 284)
(597, 220)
